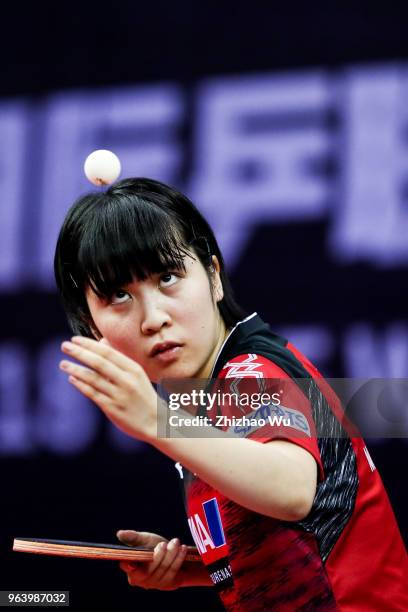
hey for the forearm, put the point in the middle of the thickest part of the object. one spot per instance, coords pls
(277, 479)
(264, 478)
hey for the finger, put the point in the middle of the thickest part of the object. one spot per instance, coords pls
(169, 576)
(89, 377)
(96, 362)
(127, 566)
(107, 351)
(102, 400)
(159, 554)
(137, 575)
(169, 556)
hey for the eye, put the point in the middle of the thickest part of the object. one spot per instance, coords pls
(119, 297)
(168, 279)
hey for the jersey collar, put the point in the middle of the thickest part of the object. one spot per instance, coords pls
(247, 324)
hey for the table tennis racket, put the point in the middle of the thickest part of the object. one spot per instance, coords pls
(91, 550)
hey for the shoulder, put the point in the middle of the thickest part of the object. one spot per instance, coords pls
(251, 365)
(253, 373)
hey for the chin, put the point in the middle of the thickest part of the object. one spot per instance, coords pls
(173, 371)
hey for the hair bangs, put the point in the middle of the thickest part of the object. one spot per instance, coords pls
(123, 243)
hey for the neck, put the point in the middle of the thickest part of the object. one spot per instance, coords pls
(222, 335)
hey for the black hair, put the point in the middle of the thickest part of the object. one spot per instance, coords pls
(137, 227)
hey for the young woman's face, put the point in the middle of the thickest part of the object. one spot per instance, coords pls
(175, 308)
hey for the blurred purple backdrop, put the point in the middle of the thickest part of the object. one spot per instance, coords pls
(299, 162)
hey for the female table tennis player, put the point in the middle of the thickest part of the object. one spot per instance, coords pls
(292, 521)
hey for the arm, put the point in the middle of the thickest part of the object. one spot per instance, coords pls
(277, 478)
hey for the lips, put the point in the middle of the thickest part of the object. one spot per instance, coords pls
(163, 347)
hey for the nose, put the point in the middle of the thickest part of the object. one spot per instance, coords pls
(154, 316)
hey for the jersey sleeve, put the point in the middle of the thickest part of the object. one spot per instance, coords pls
(260, 401)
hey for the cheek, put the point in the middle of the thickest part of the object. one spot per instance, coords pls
(198, 313)
(119, 332)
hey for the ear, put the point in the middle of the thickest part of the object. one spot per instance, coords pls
(215, 270)
(215, 264)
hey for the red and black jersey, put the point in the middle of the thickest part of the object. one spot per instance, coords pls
(347, 553)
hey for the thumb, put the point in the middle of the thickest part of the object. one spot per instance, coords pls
(130, 537)
(139, 538)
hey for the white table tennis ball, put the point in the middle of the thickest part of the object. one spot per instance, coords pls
(102, 167)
